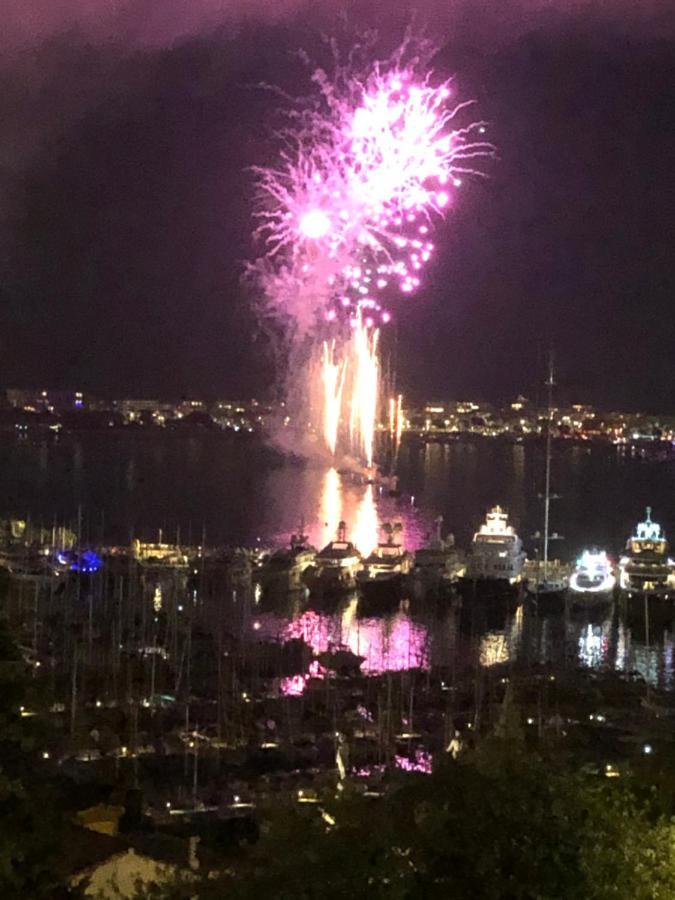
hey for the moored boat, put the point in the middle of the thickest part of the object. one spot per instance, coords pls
(336, 565)
(496, 556)
(592, 581)
(384, 570)
(285, 571)
(437, 565)
(646, 569)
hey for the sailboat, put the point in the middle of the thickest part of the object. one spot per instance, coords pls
(547, 577)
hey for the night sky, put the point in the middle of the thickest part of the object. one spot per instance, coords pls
(125, 200)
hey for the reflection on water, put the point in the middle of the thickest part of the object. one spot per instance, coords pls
(366, 526)
(363, 507)
(331, 506)
(389, 644)
(497, 647)
(594, 644)
(240, 492)
(405, 640)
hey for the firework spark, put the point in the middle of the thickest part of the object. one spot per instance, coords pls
(364, 392)
(333, 376)
(395, 421)
(347, 216)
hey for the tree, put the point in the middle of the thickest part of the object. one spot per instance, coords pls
(29, 826)
(502, 823)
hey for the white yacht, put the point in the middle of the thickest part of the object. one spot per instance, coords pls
(388, 562)
(496, 551)
(438, 563)
(646, 568)
(338, 563)
(284, 572)
(593, 573)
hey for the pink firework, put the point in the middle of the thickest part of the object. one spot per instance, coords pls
(347, 216)
(350, 208)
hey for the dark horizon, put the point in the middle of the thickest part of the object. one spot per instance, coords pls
(126, 227)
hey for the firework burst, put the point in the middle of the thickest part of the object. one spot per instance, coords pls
(367, 164)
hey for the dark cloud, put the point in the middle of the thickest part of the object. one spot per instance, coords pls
(151, 24)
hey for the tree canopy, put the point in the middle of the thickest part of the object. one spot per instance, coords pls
(499, 824)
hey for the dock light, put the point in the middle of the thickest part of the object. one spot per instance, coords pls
(168, 804)
(98, 704)
(530, 721)
(45, 754)
(647, 749)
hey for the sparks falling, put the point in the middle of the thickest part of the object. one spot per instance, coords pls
(364, 392)
(367, 164)
(332, 376)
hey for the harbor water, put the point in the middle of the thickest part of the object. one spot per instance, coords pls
(237, 491)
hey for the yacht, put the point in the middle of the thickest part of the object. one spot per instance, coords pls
(496, 551)
(593, 574)
(285, 571)
(438, 564)
(548, 576)
(385, 568)
(337, 564)
(645, 568)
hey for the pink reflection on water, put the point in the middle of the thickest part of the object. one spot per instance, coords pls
(421, 762)
(295, 685)
(330, 511)
(321, 498)
(366, 525)
(391, 644)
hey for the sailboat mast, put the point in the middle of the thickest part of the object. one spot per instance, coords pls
(547, 488)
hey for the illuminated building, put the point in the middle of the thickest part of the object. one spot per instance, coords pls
(44, 400)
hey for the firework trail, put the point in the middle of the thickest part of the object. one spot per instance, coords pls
(361, 352)
(366, 165)
(332, 376)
